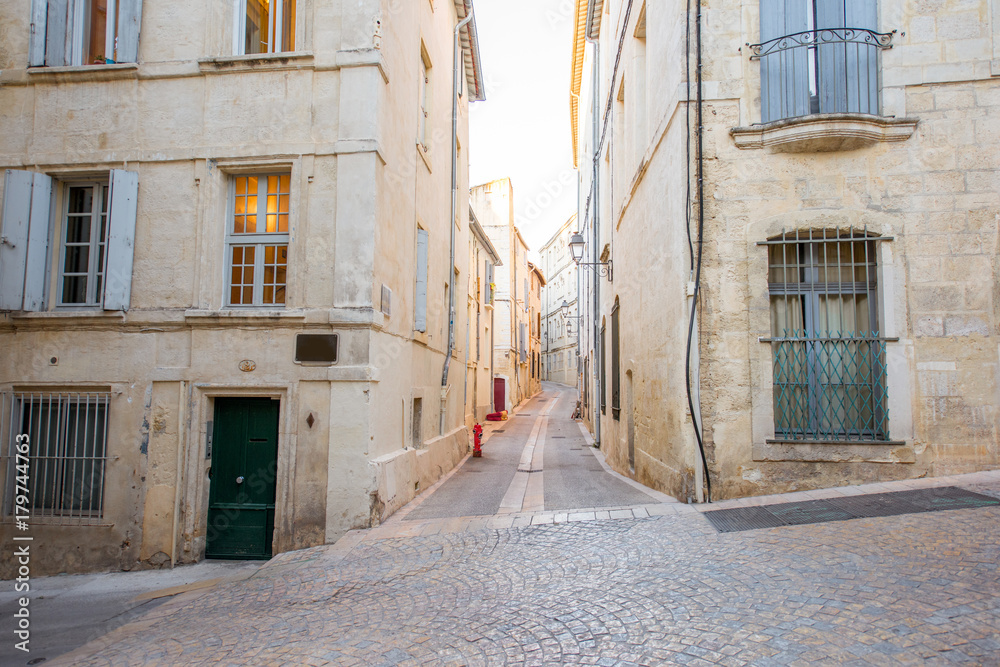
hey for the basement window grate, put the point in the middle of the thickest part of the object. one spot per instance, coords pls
(846, 508)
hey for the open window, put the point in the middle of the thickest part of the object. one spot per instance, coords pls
(263, 26)
(90, 244)
(84, 32)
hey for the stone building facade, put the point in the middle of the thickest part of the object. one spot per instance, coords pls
(560, 330)
(226, 270)
(836, 273)
(484, 259)
(493, 205)
(535, 350)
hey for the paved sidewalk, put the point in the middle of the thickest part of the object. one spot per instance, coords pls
(539, 554)
(643, 585)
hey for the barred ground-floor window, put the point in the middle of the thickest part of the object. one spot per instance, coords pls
(67, 434)
(827, 351)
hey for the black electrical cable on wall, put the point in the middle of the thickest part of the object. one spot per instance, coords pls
(701, 227)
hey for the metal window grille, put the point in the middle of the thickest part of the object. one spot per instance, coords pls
(829, 358)
(67, 454)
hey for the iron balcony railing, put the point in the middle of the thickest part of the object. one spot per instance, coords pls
(828, 70)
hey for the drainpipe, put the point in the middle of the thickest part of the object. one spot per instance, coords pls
(451, 220)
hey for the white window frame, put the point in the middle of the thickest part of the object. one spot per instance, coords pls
(273, 40)
(258, 240)
(96, 243)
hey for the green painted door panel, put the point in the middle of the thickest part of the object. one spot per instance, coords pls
(244, 467)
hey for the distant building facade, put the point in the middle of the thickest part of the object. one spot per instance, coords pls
(493, 205)
(483, 259)
(560, 328)
(535, 287)
(804, 239)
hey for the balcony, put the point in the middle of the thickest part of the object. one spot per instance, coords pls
(819, 91)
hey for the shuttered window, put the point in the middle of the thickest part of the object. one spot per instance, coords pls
(420, 307)
(818, 56)
(92, 249)
(84, 32)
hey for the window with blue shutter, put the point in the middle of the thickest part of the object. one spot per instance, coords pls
(84, 32)
(24, 239)
(818, 56)
(420, 308)
(92, 243)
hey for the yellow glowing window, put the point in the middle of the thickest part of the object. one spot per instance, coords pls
(266, 26)
(258, 237)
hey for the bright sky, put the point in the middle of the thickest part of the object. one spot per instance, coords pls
(522, 130)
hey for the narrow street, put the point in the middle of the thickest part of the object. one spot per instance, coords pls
(535, 554)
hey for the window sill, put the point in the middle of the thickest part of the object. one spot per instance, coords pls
(68, 315)
(821, 133)
(77, 73)
(256, 62)
(834, 451)
(245, 314)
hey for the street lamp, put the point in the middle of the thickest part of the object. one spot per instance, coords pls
(576, 246)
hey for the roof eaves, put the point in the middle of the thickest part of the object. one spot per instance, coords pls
(470, 52)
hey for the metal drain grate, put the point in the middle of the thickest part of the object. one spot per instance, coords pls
(847, 507)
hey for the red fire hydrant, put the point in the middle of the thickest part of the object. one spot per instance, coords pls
(477, 435)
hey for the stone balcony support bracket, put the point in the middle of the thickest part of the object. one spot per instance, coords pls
(821, 133)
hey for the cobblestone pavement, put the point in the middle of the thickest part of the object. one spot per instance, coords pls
(649, 584)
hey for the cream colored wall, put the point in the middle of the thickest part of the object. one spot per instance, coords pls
(340, 116)
(936, 193)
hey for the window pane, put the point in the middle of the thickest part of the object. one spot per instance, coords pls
(98, 16)
(77, 257)
(258, 20)
(288, 28)
(78, 229)
(81, 200)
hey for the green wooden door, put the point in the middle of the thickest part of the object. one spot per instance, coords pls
(244, 464)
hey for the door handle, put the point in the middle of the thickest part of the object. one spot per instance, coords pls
(239, 480)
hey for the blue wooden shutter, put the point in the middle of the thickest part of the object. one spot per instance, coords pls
(123, 193)
(784, 75)
(862, 59)
(129, 20)
(420, 310)
(24, 231)
(59, 33)
(36, 39)
(524, 350)
(831, 58)
(36, 270)
(14, 238)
